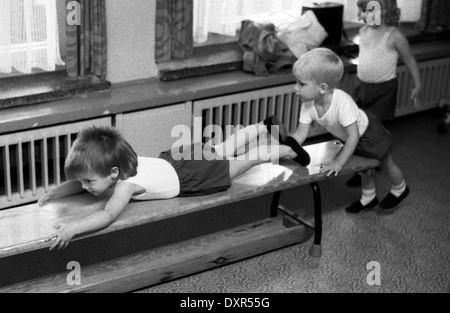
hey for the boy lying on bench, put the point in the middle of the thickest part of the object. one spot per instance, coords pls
(101, 159)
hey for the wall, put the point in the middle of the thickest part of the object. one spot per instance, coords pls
(411, 10)
(131, 40)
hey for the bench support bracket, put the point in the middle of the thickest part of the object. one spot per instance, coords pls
(316, 248)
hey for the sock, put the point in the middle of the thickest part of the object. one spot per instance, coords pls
(368, 196)
(398, 190)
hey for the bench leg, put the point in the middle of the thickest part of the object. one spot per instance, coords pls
(316, 248)
(275, 204)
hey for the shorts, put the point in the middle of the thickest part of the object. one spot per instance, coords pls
(378, 98)
(376, 142)
(198, 171)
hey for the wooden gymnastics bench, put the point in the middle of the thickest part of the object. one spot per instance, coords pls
(132, 253)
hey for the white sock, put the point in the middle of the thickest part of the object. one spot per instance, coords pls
(398, 190)
(368, 196)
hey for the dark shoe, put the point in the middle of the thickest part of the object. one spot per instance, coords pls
(391, 201)
(357, 206)
(302, 156)
(280, 131)
(354, 182)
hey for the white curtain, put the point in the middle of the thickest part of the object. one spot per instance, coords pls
(225, 16)
(28, 36)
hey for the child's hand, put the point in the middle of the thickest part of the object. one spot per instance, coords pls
(61, 237)
(45, 199)
(415, 97)
(332, 168)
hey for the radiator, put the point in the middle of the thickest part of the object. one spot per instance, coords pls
(249, 108)
(31, 162)
(435, 77)
(252, 107)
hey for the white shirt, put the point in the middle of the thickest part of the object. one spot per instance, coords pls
(157, 177)
(377, 63)
(342, 113)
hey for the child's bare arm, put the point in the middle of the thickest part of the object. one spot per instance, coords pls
(402, 45)
(335, 166)
(99, 220)
(66, 189)
(301, 133)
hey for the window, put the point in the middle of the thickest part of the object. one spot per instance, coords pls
(223, 17)
(29, 36)
(44, 57)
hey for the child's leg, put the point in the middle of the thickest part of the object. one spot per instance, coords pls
(241, 141)
(368, 187)
(268, 132)
(368, 198)
(258, 155)
(393, 171)
(264, 139)
(399, 190)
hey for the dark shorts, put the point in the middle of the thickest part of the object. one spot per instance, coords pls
(376, 142)
(380, 99)
(199, 173)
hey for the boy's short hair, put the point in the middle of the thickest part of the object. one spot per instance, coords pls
(321, 65)
(98, 150)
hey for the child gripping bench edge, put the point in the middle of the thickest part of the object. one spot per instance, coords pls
(317, 73)
(101, 159)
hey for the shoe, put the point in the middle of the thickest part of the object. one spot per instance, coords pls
(303, 157)
(354, 182)
(274, 121)
(391, 201)
(357, 206)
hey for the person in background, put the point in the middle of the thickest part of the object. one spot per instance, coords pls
(381, 45)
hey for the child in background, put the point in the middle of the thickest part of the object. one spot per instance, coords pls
(381, 44)
(317, 73)
(101, 159)
(379, 49)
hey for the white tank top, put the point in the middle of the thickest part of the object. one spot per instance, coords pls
(157, 177)
(377, 63)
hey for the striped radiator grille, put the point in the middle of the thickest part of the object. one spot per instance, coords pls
(252, 107)
(435, 77)
(31, 162)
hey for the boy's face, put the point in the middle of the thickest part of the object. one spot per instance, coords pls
(307, 89)
(96, 184)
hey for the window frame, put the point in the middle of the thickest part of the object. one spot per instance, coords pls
(20, 89)
(213, 51)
